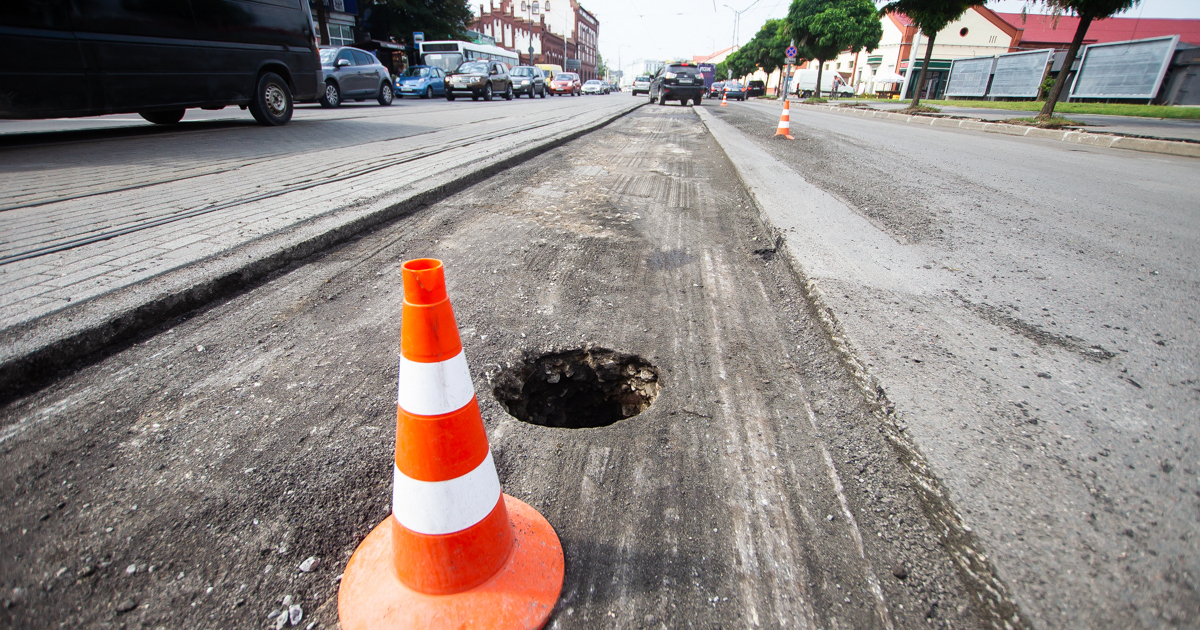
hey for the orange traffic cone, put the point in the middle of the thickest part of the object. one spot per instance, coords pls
(723, 103)
(785, 121)
(455, 552)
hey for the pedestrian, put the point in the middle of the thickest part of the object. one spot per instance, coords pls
(837, 83)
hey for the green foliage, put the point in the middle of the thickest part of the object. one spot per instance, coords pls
(1095, 9)
(825, 28)
(769, 45)
(1047, 85)
(931, 15)
(601, 67)
(741, 63)
(438, 19)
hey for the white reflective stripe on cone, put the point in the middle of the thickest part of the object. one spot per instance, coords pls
(431, 389)
(783, 124)
(445, 507)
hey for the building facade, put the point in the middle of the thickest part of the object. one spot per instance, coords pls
(560, 32)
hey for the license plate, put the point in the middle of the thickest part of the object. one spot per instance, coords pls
(406, 88)
(682, 81)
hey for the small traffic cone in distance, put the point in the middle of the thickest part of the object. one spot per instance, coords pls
(455, 552)
(723, 103)
(785, 121)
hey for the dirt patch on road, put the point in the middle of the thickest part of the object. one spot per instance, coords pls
(186, 481)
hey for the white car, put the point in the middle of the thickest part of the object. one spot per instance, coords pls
(593, 87)
(641, 85)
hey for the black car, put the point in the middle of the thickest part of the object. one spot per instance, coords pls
(714, 91)
(677, 82)
(528, 80)
(756, 88)
(479, 79)
(353, 74)
(64, 58)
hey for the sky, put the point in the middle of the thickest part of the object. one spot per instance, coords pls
(633, 31)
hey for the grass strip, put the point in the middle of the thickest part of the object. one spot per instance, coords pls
(1107, 109)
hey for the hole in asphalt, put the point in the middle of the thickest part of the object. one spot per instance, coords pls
(578, 389)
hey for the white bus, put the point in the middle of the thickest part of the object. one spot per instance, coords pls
(448, 54)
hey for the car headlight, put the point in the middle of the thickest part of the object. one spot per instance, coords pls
(525, 82)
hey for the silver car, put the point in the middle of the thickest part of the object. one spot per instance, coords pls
(353, 74)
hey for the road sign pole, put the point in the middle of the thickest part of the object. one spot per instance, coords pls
(790, 57)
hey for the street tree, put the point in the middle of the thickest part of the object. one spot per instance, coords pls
(1088, 11)
(438, 19)
(931, 16)
(823, 29)
(739, 63)
(771, 42)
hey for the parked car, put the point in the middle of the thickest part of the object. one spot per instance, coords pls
(422, 81)
(157, 59)
(528, 80)
(354, 74)
(479, 79)
(641, 85)
(679, 81)
(565, 83)
(735, 91)
(593, 87)
(714, 91)
(756, 88)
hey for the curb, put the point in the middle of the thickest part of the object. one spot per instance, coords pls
(996, 605)
(40, 350)
(1146, 145)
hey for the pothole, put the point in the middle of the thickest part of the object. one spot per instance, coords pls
(578, 389)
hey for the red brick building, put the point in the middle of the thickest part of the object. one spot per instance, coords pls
(558, 30)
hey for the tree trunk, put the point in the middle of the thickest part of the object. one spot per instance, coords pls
(924, 68)
(820, 69)
(322, 23)
(1061, 81)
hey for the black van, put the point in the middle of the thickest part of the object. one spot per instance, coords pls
(66, 58)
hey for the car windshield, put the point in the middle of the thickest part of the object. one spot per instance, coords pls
(563, 77)
(416, 72)
(523, 72)
(473, 66)
(592, 82)
(327, 55)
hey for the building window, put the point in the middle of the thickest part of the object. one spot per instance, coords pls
(535, 6)
(340, 35)
(963, 32)
(523, 6)
(547, 5)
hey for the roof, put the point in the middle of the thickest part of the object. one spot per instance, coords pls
(1044, 29)
(703, 58)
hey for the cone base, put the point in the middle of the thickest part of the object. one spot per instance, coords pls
(522, 594)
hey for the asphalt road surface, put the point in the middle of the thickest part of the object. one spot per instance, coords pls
(1029, 308)
(182, 481)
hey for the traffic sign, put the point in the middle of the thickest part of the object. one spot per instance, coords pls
(791, 52)
(790, 60)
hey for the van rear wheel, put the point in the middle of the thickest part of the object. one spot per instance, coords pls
(272, 104)
(169, 117)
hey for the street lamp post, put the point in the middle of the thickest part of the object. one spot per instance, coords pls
(737, 18)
